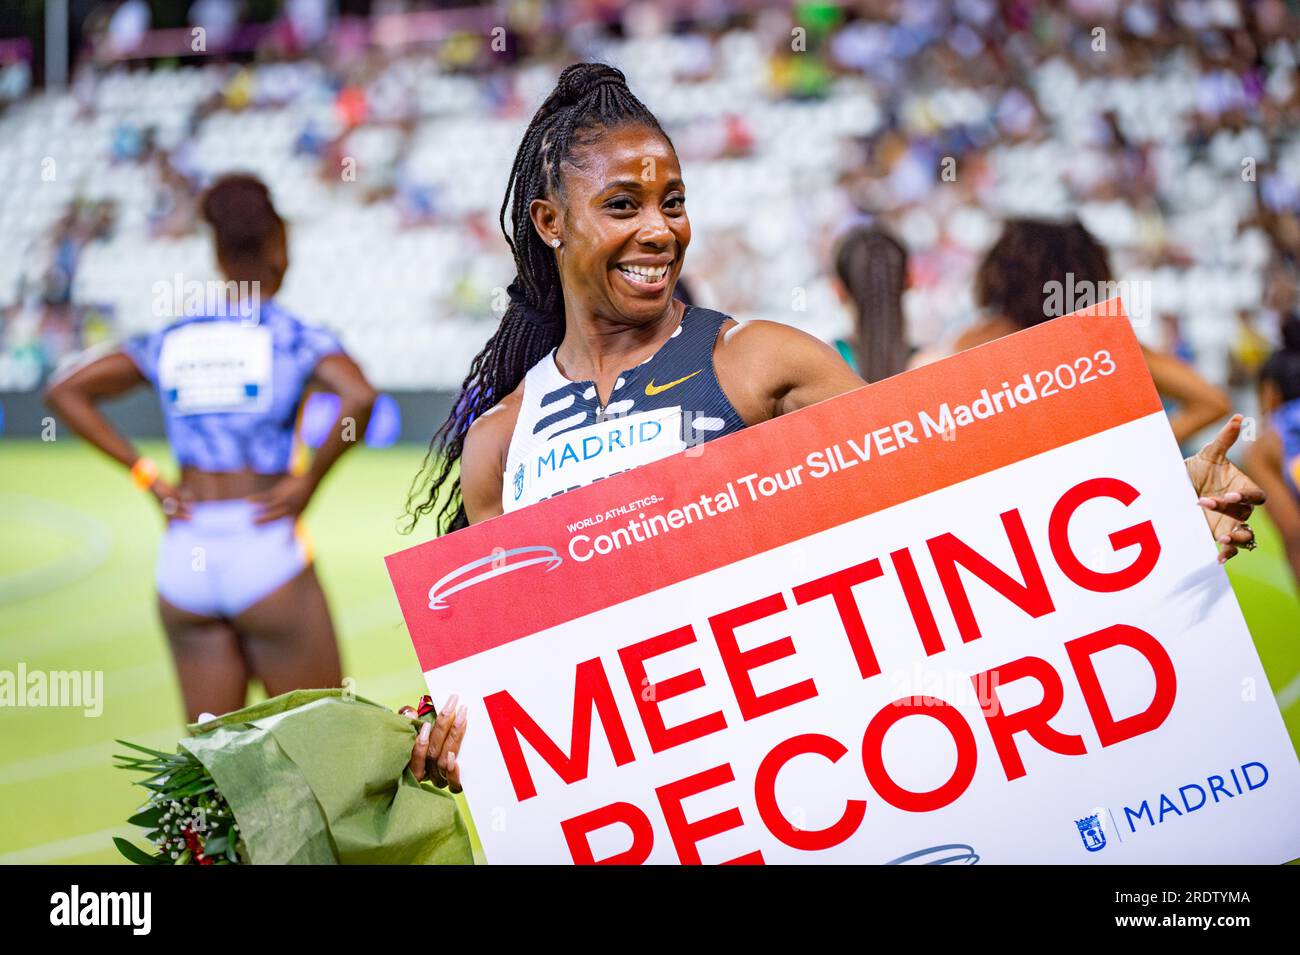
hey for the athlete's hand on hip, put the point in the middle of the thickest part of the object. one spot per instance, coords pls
(288, 497)
(1227, 495)
(434, 755)
(174, 506)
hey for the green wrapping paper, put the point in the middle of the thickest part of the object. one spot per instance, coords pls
(315, 776)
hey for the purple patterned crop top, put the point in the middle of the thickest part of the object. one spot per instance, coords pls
(230, 387)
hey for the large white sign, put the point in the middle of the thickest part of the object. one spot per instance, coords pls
(971, 613)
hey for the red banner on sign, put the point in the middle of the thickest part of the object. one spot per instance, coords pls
(701, 509)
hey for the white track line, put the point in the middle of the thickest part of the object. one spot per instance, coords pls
(79, 758)
(93, 540)
(1289, 695)
(87, 842)
(403, 685)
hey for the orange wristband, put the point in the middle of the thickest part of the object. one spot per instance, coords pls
(143, 473)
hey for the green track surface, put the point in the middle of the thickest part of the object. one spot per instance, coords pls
(76, 593)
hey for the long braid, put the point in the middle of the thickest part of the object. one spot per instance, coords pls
(588, 97)
(872, 264)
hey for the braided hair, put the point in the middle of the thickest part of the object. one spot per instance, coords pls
(872, 265)
(588, 98)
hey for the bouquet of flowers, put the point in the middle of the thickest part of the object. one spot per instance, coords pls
(312, 776)
(190, 822)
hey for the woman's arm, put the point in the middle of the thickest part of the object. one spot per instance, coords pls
(339, 374)
(482, 465)
(483, 458)
(1200, 404)
(1263, 460)
(767, 369)
(75, 396)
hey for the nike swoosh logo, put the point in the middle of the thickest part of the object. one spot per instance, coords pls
(651, 389)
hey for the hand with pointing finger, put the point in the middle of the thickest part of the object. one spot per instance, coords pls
(1227, 495)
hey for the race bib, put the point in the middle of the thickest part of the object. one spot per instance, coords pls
(583, 455)
(216, 367)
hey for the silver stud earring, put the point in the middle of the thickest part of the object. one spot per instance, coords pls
(555, 243)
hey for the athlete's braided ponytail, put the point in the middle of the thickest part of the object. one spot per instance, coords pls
(872, 265)
(588, 97)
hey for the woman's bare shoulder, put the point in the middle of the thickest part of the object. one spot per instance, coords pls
(983, 332)
(759, 344)
(742, 358)
(494, 426)
(759, 334)
(769, 368)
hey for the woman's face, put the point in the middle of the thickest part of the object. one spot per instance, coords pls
(622, 224)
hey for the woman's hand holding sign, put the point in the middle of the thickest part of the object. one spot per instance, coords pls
(1227, 495)
(436, 747)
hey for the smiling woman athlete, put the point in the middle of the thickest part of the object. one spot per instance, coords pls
(599, 231)
(593, 344)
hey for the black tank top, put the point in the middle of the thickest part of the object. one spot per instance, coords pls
(563, 439)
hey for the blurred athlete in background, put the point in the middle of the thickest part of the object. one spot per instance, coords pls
(1273, 459)
(237, 592)
(871, 275)
(1011, 290)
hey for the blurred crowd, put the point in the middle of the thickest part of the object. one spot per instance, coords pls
(1170, 129)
